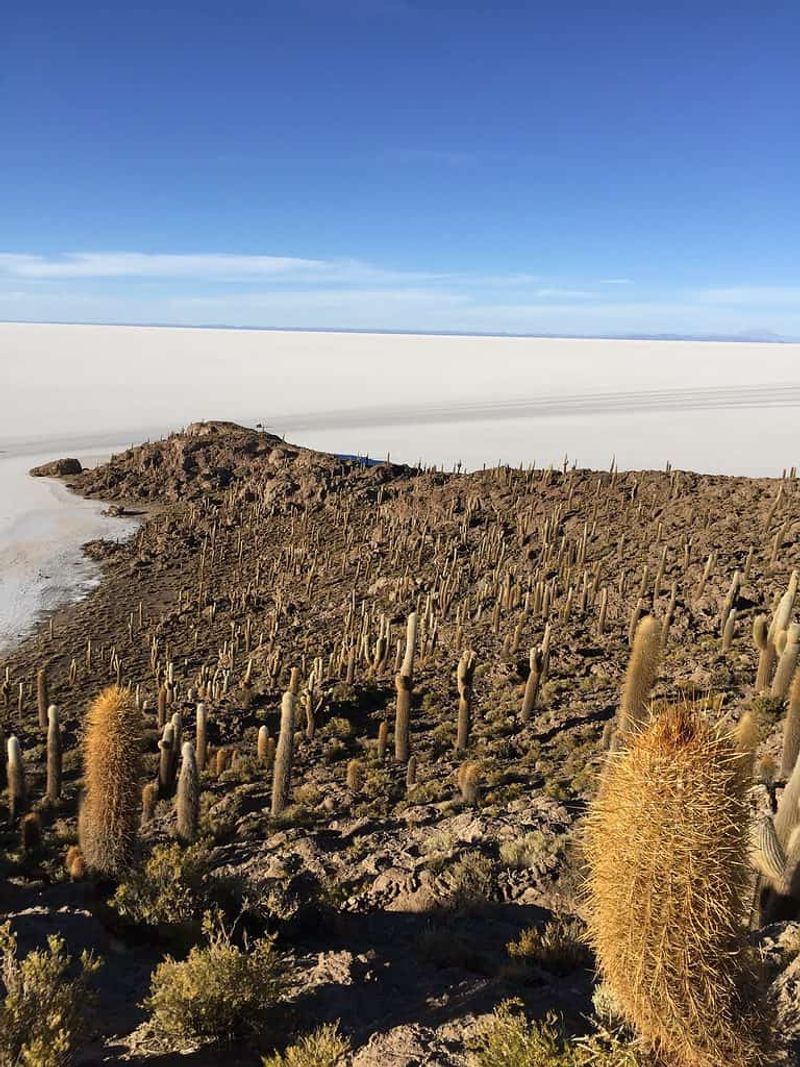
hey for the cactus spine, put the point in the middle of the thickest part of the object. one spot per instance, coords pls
(187, 798)
(282, 770)
(109, 815)
(668, 893)
(54, 755)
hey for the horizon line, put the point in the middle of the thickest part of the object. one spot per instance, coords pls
(714, 338)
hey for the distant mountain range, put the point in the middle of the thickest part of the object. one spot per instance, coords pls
(745, 336)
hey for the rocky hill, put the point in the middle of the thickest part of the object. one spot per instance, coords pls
(394, 886)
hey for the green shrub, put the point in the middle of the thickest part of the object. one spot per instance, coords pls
(43, 1015)
(508, 1039)
(557, 947)
(219, 991)
(324, 1048)
(469, 883)
(168, 889)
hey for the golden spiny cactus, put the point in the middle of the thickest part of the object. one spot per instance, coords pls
(668, 893)
(355, 775)
(109, 816)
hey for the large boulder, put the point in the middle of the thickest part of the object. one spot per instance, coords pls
(58, 468)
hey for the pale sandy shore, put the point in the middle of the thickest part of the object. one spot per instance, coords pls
(42, 529)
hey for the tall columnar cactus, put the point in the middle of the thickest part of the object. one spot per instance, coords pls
(161, 707)
(109, 816)
(668, 893)
(791, 729)
(166, 763)
(787, 664)
(539, 661)
(404, 684)
(766, 653)
(201, 737)
(54, 755)
(464, 676)
(187, 797)
(16, 779)
(639, 678)
(282, 770)
(42, 698)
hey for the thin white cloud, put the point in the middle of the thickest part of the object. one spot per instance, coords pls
(771, 295)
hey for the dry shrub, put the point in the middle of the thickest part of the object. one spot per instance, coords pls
(324, 1048)
(43, 1014)
(219, 991)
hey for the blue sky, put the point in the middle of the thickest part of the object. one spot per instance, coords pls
(577, 168)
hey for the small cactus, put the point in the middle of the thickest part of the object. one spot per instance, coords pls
(75, 863)
(355, 775)
(411, 772)
(262, 744)
(468, 779)
(383, 740)
(149, 800)
(30, 831)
